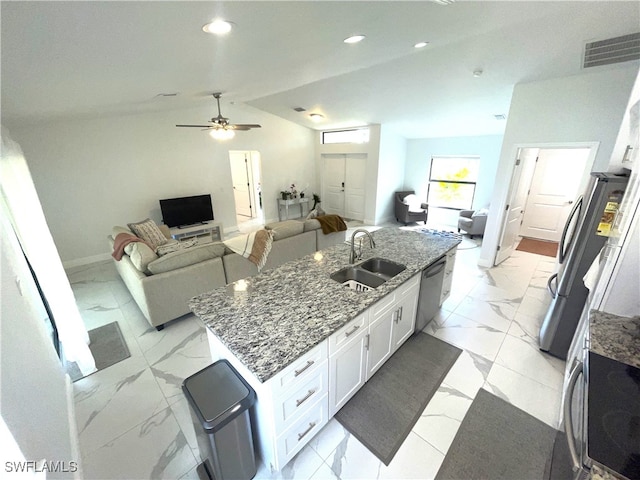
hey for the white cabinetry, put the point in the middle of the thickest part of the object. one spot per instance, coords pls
(448, 274)
(297, 402)
(406, 306)
(347, 362)
(361, 347)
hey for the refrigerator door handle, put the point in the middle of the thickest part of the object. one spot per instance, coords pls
(554, 293)
(565, 245)
(568, 421)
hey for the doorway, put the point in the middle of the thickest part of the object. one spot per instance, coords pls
(343, 184)
(247, 185)
(544, 185)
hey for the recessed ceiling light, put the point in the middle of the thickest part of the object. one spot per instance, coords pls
(316, 117)
(421, 44)
(218, 27)
(500, 116)
(477, 72)
(354, 38)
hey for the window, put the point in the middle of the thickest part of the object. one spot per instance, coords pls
(357, 135)
(452, 181)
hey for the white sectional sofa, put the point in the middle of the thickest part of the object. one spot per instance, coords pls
(162, 286)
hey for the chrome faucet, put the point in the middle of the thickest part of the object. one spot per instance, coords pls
(372, 244)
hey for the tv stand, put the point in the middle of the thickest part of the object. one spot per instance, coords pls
(212, 230)
(189, 225)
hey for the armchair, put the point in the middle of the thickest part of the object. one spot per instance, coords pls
(472, 222)
(407, 213)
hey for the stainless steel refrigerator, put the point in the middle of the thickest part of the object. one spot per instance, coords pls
(585, 233)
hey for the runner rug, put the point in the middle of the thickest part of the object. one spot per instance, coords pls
(386, 408)
(498, 441)
(107, 345)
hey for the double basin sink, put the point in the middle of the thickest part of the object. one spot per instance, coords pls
(368, 275)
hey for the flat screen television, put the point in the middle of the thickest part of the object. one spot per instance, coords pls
(183, 211)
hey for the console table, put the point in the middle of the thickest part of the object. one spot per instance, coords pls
(213, 230)
(293, 201)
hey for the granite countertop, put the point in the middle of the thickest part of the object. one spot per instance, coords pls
(271, 319)
(615, 337)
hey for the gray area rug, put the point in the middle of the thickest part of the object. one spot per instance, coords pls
(498, 441)
(386, 408)
(108, 347)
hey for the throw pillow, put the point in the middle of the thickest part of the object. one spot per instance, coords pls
(140, 255)
(149, 232)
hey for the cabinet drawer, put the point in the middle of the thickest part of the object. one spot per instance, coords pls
(302, 369)
(299, 434)
(347, 333)
(408, 287)
(296, 402)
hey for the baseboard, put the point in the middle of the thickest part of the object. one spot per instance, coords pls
(78, 262)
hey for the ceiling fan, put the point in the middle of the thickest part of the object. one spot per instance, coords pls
(220, 128)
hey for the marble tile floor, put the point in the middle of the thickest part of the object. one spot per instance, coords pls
(134, 422)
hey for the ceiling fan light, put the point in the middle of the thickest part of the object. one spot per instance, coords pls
(222, 134)
(217, 27)
(354, 38)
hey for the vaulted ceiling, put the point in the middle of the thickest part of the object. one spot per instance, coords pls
(90, 58)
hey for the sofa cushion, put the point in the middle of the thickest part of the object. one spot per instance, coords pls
(186, 257)
(285, 229)
(149, 232)
(311, 224)
(174, 245)
(141, 255)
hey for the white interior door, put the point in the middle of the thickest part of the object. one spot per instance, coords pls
(525, 164)
(241, 187)
(333, 184)
(554, 187)
(355, 170)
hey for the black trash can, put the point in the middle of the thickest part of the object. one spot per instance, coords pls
(219, 400)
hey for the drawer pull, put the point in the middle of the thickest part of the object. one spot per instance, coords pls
(352, 331)
(301, 435)
(299, 372)
(305, 398)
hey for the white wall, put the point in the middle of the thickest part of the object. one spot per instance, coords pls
(582, 108)
(391, 168)
(420, 151)
(92, 174)
(33, 398)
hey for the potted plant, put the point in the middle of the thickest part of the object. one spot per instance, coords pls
(285, 194)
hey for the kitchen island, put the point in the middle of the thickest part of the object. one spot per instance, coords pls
(307, 343)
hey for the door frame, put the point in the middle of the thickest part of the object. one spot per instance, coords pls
(515, 178)
(254, 178)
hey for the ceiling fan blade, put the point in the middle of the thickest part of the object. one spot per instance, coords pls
(245, 126)
(198, 126)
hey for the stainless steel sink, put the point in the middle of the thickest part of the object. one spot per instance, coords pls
(357, 279)
(384, 268)
(368, 275)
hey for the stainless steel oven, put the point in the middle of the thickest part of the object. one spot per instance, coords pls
(602, 416)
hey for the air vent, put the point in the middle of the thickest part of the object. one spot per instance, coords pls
(612, 50)
(300, 109)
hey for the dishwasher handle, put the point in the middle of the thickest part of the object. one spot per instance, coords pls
(434, 269)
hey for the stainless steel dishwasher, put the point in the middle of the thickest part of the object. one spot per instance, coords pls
(430, 290)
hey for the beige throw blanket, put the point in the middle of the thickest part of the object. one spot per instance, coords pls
(254, 246)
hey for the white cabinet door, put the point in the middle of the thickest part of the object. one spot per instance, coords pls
(347, 371)
(405, 319)
(379, 341)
